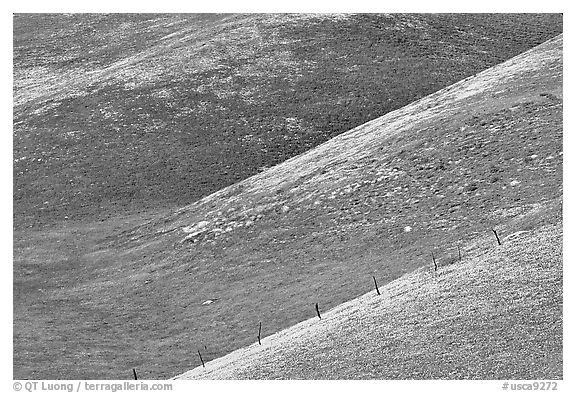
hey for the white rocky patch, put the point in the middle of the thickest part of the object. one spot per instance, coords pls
(195, 230)
(200, 226)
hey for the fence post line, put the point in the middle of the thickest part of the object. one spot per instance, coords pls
(135, 376)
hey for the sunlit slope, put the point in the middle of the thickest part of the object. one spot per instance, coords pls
(315, 228)
(497, 314)
(377, 200)
(117, 114)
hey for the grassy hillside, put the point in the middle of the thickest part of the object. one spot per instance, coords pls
(118, 114)
(497, 314)
(101, 299)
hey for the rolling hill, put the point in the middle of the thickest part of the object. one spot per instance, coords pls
(497, 314)
(102, 297)
(120, 114)
(350, 222)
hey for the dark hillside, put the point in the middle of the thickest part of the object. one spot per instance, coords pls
(119, 114)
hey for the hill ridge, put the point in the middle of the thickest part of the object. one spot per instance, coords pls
(360, 140)
(544, 56)
(268, 249)
(425, 299)
(244, 92)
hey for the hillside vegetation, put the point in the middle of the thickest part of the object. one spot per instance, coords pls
(93, 301)
(497, 314)
(119, 114)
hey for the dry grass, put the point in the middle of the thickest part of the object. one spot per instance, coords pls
(117, 114)
(496, 315)
(321, 225)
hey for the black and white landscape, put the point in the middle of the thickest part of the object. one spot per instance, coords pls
(288, 196)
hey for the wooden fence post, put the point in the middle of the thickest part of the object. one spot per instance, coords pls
(259, 332)
(202, 360)
(376, 285)
(497, 238)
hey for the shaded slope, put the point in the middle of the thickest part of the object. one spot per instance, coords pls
(123, 113)
(495, 315)
(312, 229)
